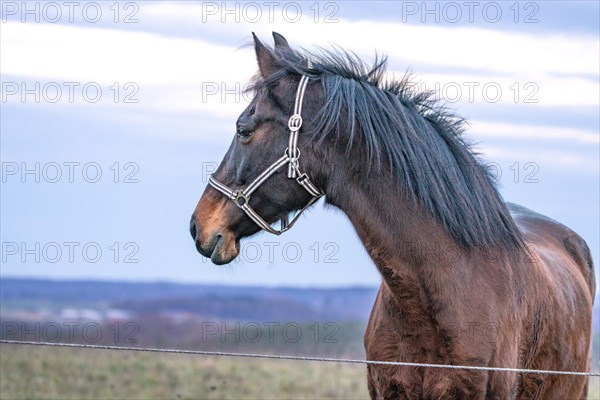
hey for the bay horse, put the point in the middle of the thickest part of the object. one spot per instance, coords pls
(467, 279)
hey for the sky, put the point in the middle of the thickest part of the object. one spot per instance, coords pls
(113, 115)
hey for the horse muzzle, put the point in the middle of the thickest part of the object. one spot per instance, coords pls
(220, 246)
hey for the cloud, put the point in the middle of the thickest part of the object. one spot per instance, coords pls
(421, 45)
(182, 75)
(549, 159)
(70, 52)
(536, 132)
(545, 91)
(174, 72)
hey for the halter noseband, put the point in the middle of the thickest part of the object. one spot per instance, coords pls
(291, 155)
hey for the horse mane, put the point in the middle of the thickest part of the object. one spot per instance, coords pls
(410, 132)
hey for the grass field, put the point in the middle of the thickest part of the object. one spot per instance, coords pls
(52, 373)
(594, 393)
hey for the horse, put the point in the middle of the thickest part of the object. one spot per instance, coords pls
(467, 279)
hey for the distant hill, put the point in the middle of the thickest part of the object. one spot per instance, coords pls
(207, 301)
(223, 302)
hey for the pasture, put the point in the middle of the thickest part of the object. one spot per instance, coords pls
(35, 372)
(51, 373)
(41, 373)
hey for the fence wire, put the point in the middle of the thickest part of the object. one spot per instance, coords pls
(298, 358)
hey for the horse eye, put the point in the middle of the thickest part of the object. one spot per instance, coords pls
(252, 110)
(244, 133)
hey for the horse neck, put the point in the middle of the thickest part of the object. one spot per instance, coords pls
(411, 250)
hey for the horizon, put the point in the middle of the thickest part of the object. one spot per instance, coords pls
(168, 282)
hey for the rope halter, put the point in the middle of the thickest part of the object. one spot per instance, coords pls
(241, 197)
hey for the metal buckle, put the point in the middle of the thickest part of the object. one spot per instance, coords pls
(302, 178)
(239, 195)
(295, 122)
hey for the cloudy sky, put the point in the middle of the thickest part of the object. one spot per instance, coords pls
(112, 117)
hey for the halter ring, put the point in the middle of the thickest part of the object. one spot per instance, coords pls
(295, 157)
(239, 195)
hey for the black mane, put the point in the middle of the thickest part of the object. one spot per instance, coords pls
(411, 133)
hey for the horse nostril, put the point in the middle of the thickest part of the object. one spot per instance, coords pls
(193, 229)
(216, 238)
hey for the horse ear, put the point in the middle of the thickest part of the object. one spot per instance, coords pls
(266, 59)
(280, 41)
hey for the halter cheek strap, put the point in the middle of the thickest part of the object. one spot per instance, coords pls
(241, 197)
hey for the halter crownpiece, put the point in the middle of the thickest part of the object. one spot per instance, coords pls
(241, 197)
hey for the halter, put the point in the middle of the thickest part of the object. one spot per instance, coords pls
(241, 197)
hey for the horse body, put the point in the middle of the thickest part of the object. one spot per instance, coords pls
(546, 298)
(466, 278)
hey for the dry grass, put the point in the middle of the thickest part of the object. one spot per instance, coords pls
(35, 373)
(53, 373)
(594, 393)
